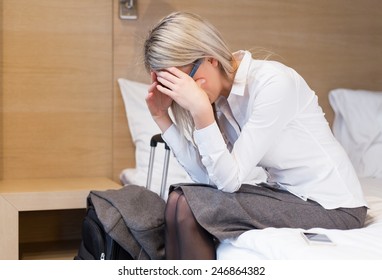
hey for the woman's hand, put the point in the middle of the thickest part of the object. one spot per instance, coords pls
(187, 93)
(158, 104)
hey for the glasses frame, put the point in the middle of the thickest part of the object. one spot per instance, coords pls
(195, 67)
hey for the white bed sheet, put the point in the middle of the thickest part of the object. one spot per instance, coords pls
(287, 243)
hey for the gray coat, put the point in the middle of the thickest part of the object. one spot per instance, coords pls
(134, 217)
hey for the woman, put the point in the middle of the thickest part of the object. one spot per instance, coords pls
(232, 115)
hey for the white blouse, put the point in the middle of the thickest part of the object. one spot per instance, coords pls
(274, 121)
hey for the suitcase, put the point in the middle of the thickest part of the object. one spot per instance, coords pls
(153, 143)
(96, 244)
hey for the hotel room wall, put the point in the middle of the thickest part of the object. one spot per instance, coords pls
(56, 89)
(62, 114)
(1, 91)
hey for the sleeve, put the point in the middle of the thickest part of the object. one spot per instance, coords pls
(273, 107)
(186, 154)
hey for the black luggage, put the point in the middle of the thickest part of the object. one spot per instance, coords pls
(96, 243)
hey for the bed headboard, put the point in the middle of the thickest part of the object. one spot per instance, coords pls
(331, 43)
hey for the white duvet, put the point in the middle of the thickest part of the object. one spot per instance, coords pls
(286, 243)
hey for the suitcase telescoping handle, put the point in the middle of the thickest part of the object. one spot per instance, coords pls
(158, 139)
(153, 143)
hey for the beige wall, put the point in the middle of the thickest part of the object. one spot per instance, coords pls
(61, 109)
(1, 89)
(56, 88)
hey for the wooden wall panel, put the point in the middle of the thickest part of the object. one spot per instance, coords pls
(1, 89)
(62, 114)
(56, 88)
(332, 43)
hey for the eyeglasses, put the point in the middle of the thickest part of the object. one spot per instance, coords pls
(195, 67)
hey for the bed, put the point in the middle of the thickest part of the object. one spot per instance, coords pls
(357, 125)
(286, 243)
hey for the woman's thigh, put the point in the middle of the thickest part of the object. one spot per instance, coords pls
(227, 215)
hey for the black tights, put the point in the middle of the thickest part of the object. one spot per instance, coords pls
(185, 239)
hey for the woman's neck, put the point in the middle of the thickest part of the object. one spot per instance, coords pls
(227, 81)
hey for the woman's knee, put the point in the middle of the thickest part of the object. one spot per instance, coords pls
(178, 211)
(183, 211)
(171, 206)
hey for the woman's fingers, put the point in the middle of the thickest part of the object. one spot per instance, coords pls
(152, 87)
(153, 76)
(171, 76)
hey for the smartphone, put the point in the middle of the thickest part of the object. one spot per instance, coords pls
(313, 238)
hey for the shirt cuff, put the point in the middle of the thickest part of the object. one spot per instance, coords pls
(209, 140)
(171, 136)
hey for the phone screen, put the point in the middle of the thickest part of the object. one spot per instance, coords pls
(317, 238)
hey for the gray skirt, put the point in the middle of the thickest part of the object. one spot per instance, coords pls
(227, 215)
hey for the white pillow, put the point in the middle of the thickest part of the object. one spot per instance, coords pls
(142, 128)
(358, 127)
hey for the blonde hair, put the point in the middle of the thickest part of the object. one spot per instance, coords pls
(178, 40)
